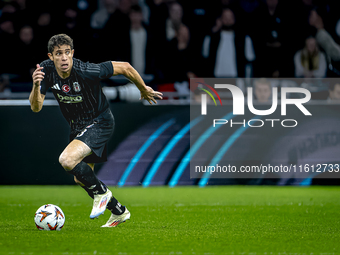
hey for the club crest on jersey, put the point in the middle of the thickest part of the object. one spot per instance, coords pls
(66, 88)
(76, 87)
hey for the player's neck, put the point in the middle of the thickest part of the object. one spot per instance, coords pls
(64, 75)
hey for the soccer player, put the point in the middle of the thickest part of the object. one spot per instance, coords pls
(76, 87)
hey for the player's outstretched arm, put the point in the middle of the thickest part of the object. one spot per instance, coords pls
(129, 72)
(36, 98)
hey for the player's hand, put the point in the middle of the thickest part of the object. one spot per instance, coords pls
(149, 95)
(38, 75)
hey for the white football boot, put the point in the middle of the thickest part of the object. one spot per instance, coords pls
(115, 220)
(99, 204)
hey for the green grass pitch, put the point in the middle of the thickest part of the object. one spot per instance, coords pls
(182, 220)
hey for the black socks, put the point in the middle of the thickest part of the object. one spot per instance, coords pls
(85, 175)
(89, 191)
(115, 207)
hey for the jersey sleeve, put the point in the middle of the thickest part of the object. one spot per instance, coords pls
(98, 71)
(106, 70)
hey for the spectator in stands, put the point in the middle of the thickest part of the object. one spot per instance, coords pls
(249, 6)
(44, 27)
(99, 19)
(304, 8)
(158, 15)
(7, 30)
(333, 20)
(44, 24)
(138, 40)
(269, 41)
(125, 6)
(8, 42)
(27, 47)
(323, 37)
(21, 4)
(334, 91)
(26, 35)
(327, 43)
(5, 91)
(178, 65)
(118, 24)
(26, 11)
(71, 25)
(101, 16)
(200, 16)
(262, 90)
(119, 16)
(9, 7)
(224, 49)
(174, 21)
(310, 62)
(246, 10)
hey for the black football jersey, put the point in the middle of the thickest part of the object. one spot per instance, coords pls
(80, 95)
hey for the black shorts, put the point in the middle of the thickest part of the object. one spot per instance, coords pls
(96, 136)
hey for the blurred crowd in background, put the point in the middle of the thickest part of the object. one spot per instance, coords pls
(174, 41)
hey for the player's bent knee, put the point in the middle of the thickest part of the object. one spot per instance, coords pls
(67, 162)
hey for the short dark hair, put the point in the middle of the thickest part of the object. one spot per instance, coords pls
(58, 40)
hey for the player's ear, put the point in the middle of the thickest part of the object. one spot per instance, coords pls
(72, 52)
(50, 56)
